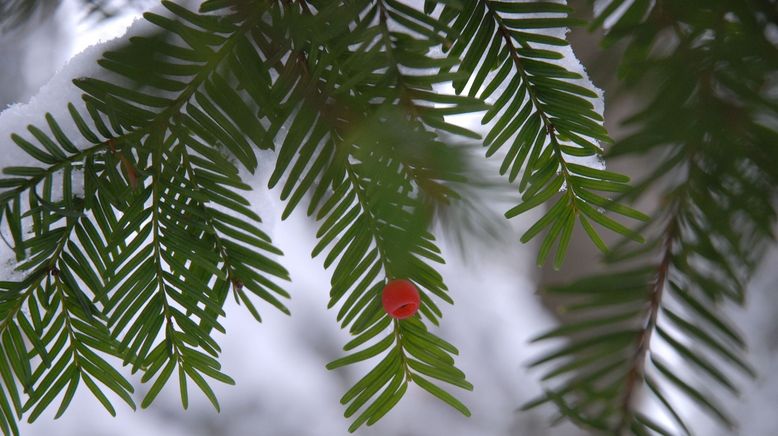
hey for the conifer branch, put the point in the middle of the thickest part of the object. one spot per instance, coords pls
(636, 373)
(33, 181)
(343, 93)
(338, 136)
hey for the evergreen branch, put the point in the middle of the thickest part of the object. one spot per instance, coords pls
(532, 91)
(156, 254)
(161, 121)
(550, 118)
(636, 373)
(342, 92)
(126, 292)
(81, 332)
(33, 181)
(77, 325)
(374, 187)
(219, 227)
(721, 216)
(421, 116)
(7, 326)
(331, 112)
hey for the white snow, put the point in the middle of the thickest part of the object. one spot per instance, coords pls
(282, 385)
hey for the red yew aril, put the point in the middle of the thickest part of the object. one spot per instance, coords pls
(400, 299)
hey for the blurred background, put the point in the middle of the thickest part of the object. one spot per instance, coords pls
(282, 386)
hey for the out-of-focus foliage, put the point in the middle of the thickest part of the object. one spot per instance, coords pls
(16, 12)
(707, 74)
(138, 226)
(130, 235)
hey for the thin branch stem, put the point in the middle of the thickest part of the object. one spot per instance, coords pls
(636, 373)
(220, 248)
(548, 125)
(43, 270)
(353, 175)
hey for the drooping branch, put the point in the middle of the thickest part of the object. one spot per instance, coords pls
(636, 372)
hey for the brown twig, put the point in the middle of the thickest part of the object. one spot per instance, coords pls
(643, 341)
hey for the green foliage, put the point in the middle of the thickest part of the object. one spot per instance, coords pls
(135, 261)
(716, 175)
(542, 112)
(161, 235)
(369, 149)
(130, 236)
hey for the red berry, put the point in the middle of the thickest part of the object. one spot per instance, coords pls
(400, 299)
